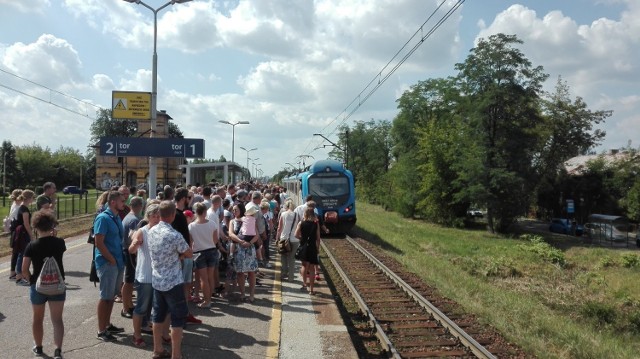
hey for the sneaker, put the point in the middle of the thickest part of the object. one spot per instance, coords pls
(193, 320)
(37, 351)
(268, 265)
(23, 282)
(57, 354)
(127, 314)
(317, 276)
(12, 277)
(114, 330)
(106, 336)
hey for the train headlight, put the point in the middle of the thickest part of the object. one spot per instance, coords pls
(348, 209)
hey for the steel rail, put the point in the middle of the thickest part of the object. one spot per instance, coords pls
(475, 347)
(392, 352)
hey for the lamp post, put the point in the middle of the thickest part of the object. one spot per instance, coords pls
(253, 162)
(4, 176)
(246, 150)
(154, 88)
(233, 134)
(257, 169)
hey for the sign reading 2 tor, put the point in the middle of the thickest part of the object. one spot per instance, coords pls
(152, 147)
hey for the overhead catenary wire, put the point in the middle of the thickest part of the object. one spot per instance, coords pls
(359, 99)
(49, 100)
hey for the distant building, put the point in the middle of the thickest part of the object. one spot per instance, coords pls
(134, 171)
(577, 165)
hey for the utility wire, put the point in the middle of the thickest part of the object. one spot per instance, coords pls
(50, 90)
(359, 100)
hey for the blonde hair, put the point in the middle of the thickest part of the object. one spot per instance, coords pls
(153, 208)
(15, 194)
(200, 208)
(309, 214)
(25, 195)
(102, 200)
(288, 204)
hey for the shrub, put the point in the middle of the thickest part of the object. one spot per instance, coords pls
(606, 262)
(630, 260)
(601, 313)
(543, 249)
(634, 322)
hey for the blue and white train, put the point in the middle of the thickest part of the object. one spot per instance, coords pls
(332, 188)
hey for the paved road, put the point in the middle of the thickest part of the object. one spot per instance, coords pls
(229, 330)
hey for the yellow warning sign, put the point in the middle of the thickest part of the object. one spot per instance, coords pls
(130, 105)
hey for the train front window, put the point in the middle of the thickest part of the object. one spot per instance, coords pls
(328, 186)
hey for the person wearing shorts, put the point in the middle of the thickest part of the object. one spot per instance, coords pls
(166, 248)
(205, 234)
(109, 259)
(48, 245)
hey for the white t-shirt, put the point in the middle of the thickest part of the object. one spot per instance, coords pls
(289, 223)
(202, 235)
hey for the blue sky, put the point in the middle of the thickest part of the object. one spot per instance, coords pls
(290, 67)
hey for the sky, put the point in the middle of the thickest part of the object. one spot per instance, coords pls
(291, 68)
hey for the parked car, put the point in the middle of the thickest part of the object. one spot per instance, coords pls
(565, 226)
(606, 231)
(475, 213)
(74, 190)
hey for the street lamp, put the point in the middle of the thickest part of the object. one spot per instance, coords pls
(4, 176)
(253, 149)
(154, 88)
(257, 169)
(253, 162)
(233, 134)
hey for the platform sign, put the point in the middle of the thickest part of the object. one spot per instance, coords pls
(152, 147)
(129, 105)
(570, 206)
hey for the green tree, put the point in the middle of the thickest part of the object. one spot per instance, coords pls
(105, 126)
(174, 131)
(67, 162)
(36, 166)
(500, 91)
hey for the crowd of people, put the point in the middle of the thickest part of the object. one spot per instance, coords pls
(191, 244)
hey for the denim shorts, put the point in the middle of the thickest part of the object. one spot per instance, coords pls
(208, 258)
(144, 291)
(39, 298)
(110, 280)
(171, 301)
(187, 270)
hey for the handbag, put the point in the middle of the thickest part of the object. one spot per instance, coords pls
(300, 252)
(50, 280)
(283, 244)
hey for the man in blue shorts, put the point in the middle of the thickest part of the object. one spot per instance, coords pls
(166, 248)
(109, 262)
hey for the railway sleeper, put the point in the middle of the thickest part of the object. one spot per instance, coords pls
(434, 354)
(425, 343)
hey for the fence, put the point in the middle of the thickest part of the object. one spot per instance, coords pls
(67, 206)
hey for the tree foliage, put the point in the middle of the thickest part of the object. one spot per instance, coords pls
(488, 137)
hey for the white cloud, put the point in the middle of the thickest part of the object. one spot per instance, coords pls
(27, 6)
(50, 61)
(103, 82)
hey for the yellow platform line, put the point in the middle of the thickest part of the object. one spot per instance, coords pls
(273, 348)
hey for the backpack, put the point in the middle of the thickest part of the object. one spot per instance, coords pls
(50, 280)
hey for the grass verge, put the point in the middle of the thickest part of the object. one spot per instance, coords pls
(579, 302)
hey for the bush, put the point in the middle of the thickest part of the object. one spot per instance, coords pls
(634, 322)
(630, 260)
(601, 313)
(543, 249)
(606, 262)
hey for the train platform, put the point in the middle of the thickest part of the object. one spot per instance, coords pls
(283, 322)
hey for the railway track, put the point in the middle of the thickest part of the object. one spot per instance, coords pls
(406, 324)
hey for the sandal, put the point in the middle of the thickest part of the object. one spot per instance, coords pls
(117, 299)
(195, 299)
(165, 354)
(166, 341)
(139, 342)
(204, 305)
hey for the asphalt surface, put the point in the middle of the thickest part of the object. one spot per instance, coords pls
(229, 329)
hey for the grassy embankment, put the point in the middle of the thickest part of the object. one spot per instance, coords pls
(581, 302)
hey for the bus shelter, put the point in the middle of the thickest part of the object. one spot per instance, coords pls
(607, 229)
